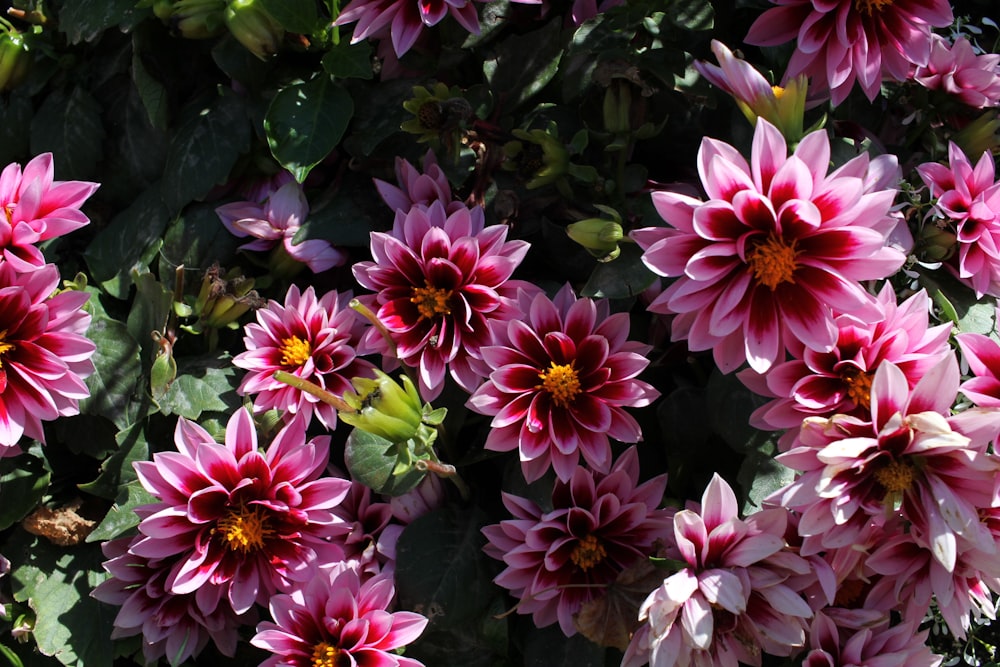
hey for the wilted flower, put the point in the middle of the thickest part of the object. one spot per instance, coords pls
(598, 526)
(440, 279)
(957, 70)
(838, 42)
(44, 354)
(383, 407)
(274, 224)
(559, 382)
(37, 208)
(235, 518)
(778, 248)
(338, 619)
(313, 339)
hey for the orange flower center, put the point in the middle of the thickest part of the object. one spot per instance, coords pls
(244, 528)
(325, 655)
(562, 382)
(431, 301)
(587, 553)
(295, 351)
(895, 477)
(779, 92)
(859, 386)
(5, 347)
(871, 7)
(773, 261)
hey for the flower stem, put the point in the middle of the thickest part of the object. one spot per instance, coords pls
(313, 389)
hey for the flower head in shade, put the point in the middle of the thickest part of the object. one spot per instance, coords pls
(414, 188)
(370, 541)
(599, 525)
(37, 208)
(440, 278)
(969, 197)
(912, 458)
(403, 21)
(840, 42)
(756, 98)
(957, 70)
(733, 598)
(173, 626)
(822, 384)
(232, 516)
(900, 644)
(779, 246)
(273, 224)
(559, 382)
(338, 619)
(44, 354)
(311, 338)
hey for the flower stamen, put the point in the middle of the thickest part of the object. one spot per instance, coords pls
(859, 386)
(431, 301)
(895, 477)
(562, 382)
(773, 261)
(5, 347)
(244, 528)
(587, 553)
(871, 7)
(325, 655)
(295, 351)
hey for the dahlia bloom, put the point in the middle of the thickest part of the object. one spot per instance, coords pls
(234, 517)
(957, 70)
(982, 353)
(912, 458)
(778, 248)
(900, 645)
(403, 21)
(821, 384)
(274, 222)
(440, 278)
(732, 599)
(37, 209)
(44, 354)
(838, 42)
(370, 538)
(313, 339)
(559, 382)
(338, 619)
(599, 525)
(970, 198)
(173, 626)
(418, 189)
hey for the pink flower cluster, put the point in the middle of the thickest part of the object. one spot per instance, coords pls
(957, 70)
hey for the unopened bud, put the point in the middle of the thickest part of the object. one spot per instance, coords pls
(383, 407)
(600, 237)
(254, 28)
(197, 19)
(15, 60)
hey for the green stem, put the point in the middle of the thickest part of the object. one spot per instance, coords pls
(313, 389)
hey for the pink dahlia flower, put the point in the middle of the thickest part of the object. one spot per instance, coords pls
(173, 626)
(821, 384)
(232, 516)
(440, 279)
(44, 354)
(913, 457)
(733, 597)
(313, 339)
(599, 525)
(559, 382)
(957, 70)
(418, 189)
(778, 248)
(274, 222)
(900, 645)
(982, 353)
(403, 21)
(838, 42)
(970, 198)
(338, 620)
(37, 208)
(371, 535)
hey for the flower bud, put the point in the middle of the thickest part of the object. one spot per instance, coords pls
(197, 19)
(936, 244)
(254, 28)
(383, 407)
(15, 60)
(600, 237)
(537, 156)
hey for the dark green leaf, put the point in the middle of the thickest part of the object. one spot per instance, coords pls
(548, 647)
(16, 112)
(117, 471)
(761, 475)
(69, 126)
(371, 460)
(730, 405)
(691, 14)
(84, 20)
(121, 518)
(23, 482)
(479, 643)
(195, 241)
(150, 311)
(348, 218)
(152, 93)
(522, 65)
(115, 384)
(379, 113)
(210, 138)
(305, 122)
(203, 384)
(957, 303)
(294, 15)
(346, 61)
(623, 277)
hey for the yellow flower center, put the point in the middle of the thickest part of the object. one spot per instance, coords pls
(895, 477)
(773, 261)
(778, 92)
(295, 351)
(325, 655)
(871, 7)
(5, 347)
(244, 528)
(859, 386)
(562, 382)
(587, 553)
(431, 301)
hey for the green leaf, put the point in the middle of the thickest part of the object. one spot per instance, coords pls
(691, 14)
(730, 405)
(150, 312)
(480, 643)
(69, 126)
(294, 15)
(152, 93)
(624, 277)
(10, 656)
(23, 483)
(549, 647)
(17, 112)
(522, 65)
(348, 218)
(56, 583)
(209, 139)
(371, 460)
(114, 384)
(203, 384)
(196, 240)
(123, 245)
(346, 61)
(761, 475)
(117, 471)
(85, 20)
(378, 113)
(122, 518)
(305, 122)
(957, 303)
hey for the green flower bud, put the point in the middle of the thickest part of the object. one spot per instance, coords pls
(384, 408)
(15, 60)
(197, 19)
(537, 156)
(936, 244)
(254, 28)
(618, 107)
(221, 301)
(980, 135)
(599, 237)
